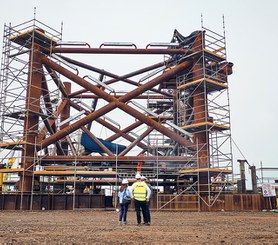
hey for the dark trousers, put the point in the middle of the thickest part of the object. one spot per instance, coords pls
(141, 206)
(148, 213)
(123, 212)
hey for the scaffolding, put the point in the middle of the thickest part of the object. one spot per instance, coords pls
(171, 123)
(203, 110)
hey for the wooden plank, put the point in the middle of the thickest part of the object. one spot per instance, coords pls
(11, 170)
(12, 145)
(64, 168)
(72, 173)
(218, 50)
(219, 85)
(9, 182)
(211, 124)
(40, 37)
(210, 170)
(214, 55)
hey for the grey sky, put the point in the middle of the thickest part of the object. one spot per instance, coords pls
(251, 46)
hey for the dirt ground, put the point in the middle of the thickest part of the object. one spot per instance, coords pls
(101, 227)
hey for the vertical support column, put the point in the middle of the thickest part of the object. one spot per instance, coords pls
(254, 179)
(242, 176)
(65, 114)
(200, 104)
(200, 110)
(31, 121)
(175, 117)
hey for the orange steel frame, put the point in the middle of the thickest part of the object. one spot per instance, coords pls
(44, 66)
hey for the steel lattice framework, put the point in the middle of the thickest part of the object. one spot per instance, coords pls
(171, 122)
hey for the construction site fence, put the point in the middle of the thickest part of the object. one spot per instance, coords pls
(160, 202)
(27, 201)
(225, 202)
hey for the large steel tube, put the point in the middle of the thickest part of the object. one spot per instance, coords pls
(254, 179)
(141, 137)
(97, 141)
(65, 114)
(46, 96)
(116, 77)
(242, 186)
(140, 97)
(113, 128)
(56, 79)
(122, 133)
(63, 159)
(51, 122)
(115, 103)
(125, 130)
(200, 107)
(31, 120)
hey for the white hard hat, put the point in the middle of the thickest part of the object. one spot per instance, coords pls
(125, 181)
(137, 176)
(143, 177)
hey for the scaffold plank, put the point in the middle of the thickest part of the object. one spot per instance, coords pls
(209, 170)
(72, 173)
(213, 55)
(11, 170)
(212, 85)
(13, 145)
(41, 38)
(202, 126)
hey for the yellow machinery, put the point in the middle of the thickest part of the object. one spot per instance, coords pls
(3, 176)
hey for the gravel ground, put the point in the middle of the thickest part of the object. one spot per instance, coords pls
(101, 227)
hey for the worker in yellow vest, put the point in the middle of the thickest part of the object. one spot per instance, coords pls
(140, 192)
(148, 213)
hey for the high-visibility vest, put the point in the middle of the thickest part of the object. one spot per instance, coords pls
(140, 191)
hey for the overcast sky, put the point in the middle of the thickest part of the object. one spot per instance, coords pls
(251, 37)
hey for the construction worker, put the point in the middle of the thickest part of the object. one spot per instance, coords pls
(86, 190)
(140, 192)
(124, 200)
(148, 213)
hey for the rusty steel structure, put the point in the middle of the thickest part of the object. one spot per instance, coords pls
(171, 122)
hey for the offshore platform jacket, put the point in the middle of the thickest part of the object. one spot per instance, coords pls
(140, 191)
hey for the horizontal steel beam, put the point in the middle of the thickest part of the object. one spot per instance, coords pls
(113, 103)
(143, 97)
(119, 51)
(51, 159)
